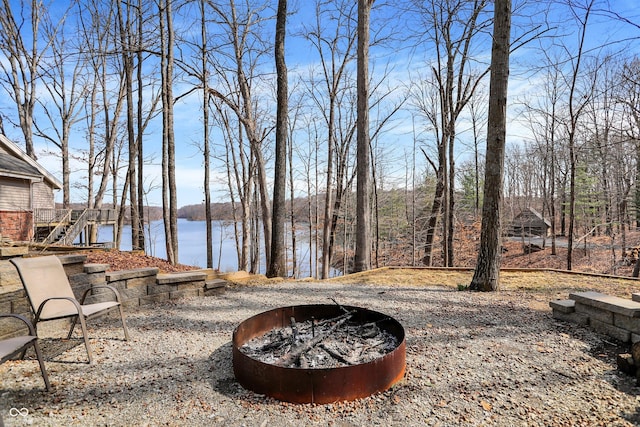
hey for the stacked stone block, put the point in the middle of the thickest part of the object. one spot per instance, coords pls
(616, 317)
(133, 285)
(137, 287)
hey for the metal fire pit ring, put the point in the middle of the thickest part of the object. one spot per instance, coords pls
(316, 385)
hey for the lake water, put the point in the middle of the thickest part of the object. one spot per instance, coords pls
(192, 245)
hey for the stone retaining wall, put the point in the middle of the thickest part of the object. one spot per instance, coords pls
(137, 287)
(616, 317)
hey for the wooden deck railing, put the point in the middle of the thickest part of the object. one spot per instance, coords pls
(44, 217)
(62, 226)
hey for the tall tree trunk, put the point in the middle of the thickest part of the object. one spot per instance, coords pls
(127, 60)
(362, 260)
(486, 276)
(637, 192)
(450, 221)
(277, 266)
(435, 211)
(575, 110)
(328, 202)
(205, 136)
(140, 129)
(171, 146)
(292, 199)
(91, 171)
(552, 175)
(168, 154)
(263, 197)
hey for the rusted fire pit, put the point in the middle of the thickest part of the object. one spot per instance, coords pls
(308, 384)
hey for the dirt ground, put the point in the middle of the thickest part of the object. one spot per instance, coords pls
(472, 359)
(495, 358)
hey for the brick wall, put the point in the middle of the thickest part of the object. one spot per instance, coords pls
(16, 225)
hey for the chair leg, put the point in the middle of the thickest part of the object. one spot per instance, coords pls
(45, 377)
(83, 325)
(24, 352)
(73, 325)
(124, 323)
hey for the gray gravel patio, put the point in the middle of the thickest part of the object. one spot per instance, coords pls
(472, 359)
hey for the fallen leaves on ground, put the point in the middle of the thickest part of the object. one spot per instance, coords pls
(122, 260)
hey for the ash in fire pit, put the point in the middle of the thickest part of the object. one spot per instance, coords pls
(329, 343)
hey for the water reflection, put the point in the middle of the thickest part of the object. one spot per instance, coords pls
(192, 249)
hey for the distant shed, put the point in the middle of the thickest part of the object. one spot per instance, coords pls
(530, 222)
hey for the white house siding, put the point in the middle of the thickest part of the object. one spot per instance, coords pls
(15, 194)
(43, 197)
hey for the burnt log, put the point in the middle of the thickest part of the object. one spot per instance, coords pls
(307, 344)
(293, 356)
(336, 355)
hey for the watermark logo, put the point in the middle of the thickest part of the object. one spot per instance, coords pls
(15, 412)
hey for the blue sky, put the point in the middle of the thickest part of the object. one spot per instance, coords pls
(396, 141)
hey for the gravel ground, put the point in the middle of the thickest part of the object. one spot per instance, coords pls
(472, 359)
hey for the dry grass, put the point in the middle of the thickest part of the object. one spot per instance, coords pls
(511, 280)
(532, 280)
(539, 286)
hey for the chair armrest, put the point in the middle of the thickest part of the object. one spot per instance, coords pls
(32, 330)
(94, 287)
(73, 300)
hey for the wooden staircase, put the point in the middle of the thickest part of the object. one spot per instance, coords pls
(65, 232)
(64, 226)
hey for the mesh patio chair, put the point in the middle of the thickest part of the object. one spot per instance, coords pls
(10, 347)
(51, 296)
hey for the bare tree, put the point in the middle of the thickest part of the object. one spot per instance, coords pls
(21, 44)
(125, 25)
(576, 106)
(486, 276)
(277, 265)
(453, 26)
(140, 122)
(362, 260)
(543, 117)
(239, 164)
(103, 104)
(240, 53)
(307, 152)
(63, 76)
(629, 97)
(169, 192)
(205, 129)
(198, 67)
(293, 127)
(477, 113)
(335, 47)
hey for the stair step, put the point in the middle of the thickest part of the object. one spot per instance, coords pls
(215, 283)
(215, 287)
(563, 306)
